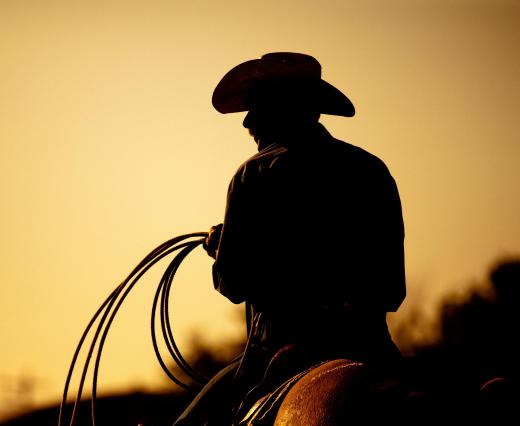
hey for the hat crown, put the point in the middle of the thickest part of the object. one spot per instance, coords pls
(306, 64)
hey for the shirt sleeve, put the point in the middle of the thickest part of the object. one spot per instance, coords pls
(235, 262)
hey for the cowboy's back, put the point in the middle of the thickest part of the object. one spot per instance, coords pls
(311, 221)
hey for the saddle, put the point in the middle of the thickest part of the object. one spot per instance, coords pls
(267, 409)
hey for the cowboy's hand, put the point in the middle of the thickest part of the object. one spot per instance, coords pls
(212, 240)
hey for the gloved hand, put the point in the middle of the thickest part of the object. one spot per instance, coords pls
(212, 240)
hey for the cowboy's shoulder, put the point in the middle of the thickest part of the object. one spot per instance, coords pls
(260, 163)
(358, 155)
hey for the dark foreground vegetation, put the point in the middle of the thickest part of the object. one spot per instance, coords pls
(129, 409)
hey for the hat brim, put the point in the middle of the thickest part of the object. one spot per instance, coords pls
(234, 88)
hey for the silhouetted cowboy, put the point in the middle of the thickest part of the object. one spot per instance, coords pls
(310, 221)
(313, 231)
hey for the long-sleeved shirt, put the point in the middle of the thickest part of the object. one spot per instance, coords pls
(312, 222)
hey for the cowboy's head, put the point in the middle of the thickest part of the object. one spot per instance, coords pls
(283, 93)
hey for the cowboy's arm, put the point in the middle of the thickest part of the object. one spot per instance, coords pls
(234, 267)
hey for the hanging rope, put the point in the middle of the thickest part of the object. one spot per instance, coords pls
(106, 313)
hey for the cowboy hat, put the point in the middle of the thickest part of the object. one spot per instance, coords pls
(276, 72)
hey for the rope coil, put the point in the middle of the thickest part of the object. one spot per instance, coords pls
(106, 313)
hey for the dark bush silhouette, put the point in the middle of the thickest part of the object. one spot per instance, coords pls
(474, 362)
(479, 332)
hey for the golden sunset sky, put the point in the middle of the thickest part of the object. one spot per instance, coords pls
(109, 146)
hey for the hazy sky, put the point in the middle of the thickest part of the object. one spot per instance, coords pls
(109, 146)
